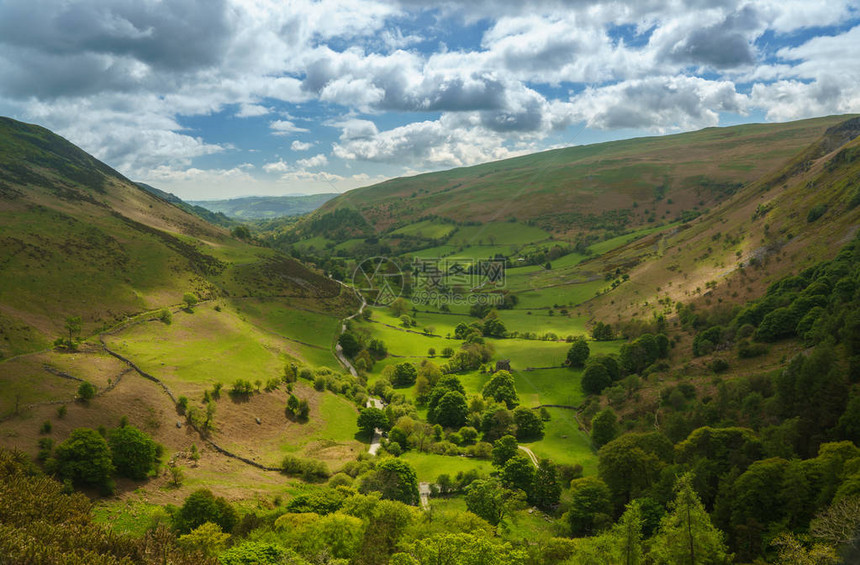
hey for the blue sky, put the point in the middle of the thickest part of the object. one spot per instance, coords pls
(221, 98)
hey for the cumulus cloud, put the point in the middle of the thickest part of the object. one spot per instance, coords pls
(313, 162)
(659, 104)
(300, 145)
(285, 127)
(252, 111)
(121, 77)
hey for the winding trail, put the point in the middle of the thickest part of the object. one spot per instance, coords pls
(338, 350)
(530, 453)
(377, 433)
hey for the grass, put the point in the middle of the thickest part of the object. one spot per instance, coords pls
(428, 466)
(569, 295)
(272, 314)
(499, 233)
(616, 242)
(563, 442)
(408, 344)
(200, 349)
(427, 229)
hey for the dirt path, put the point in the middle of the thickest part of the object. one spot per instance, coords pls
(377, 433)
(424, 495)
(338, 350)
(530, 453)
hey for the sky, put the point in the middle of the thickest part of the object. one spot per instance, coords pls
(222, 98)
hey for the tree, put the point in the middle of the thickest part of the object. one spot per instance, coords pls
(595, 379)
(404, 374)
(518, 473)
(134, 453)
(202, 506)
(604, 427)
(399, 307)
(546, 490)
(602, 332)
(501, 388)
(590, 506)
(190, 300)
(73, 326)
(578, 352)
(503, 450)
(349, 344)
(206, 538)
(451, 410)
(631, 464)
(488, 499)
(395, 479)
(493, 327)
(627, 535)
(686, 535)
(86, 391)
(529, 423)
(84, 458)
(371, 418)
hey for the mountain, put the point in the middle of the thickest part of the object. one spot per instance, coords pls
(615, 186)
(212, 217)
(265, 207)
(79, 239)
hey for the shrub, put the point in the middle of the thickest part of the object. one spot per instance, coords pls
(133, 452)
(202, 506)
(242, 387)
(46, 427)
(165, 316)
(86, 391)
(84, 458)
(816, 212)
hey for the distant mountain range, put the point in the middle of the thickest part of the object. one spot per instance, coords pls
(265, 207)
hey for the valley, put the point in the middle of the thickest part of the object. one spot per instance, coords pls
(562, 341)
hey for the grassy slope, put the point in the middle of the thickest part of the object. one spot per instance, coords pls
(565, 183)
(77, 238)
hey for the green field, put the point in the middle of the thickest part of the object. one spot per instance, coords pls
(200, 349)
(563, 442)
(429, 466)
(499, 233)
(428, 229)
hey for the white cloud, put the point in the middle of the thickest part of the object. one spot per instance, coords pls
(300, 145)
(313, 162)
(276, 167)
(120, 78)
(252, 111)
(285, 127)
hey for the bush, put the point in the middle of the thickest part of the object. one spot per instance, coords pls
(719, 365)
(816, 212)
(46, 427)
(595, 379)
(85, 458)
(165, 316)
(202, 506)
(86, 391)
(748, 350)
(133, 452)
(404, 374)
(242, 387)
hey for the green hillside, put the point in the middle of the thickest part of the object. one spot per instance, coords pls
(79, 239)
(265, 207)
(608, 186)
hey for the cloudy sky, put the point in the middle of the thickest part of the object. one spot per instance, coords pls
(218, 98)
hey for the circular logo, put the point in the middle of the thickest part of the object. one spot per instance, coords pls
(379, 279)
